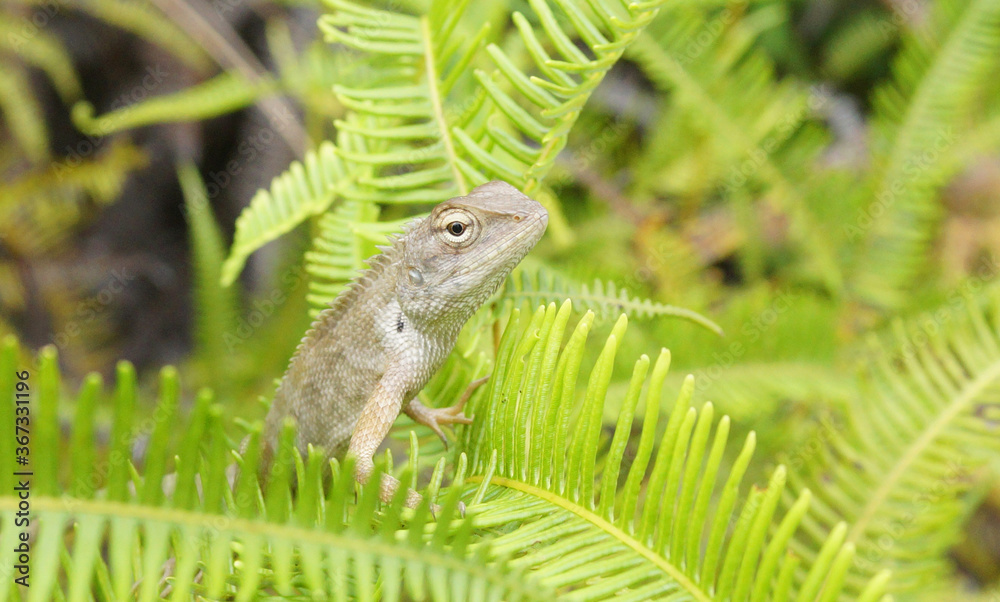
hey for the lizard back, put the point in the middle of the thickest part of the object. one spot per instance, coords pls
(333, 371)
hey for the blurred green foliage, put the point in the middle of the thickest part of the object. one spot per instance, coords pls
(820, 179)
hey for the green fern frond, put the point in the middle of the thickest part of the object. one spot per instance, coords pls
(921, 115)
(118, 533)
(727, 94)
(338, 251)
(512, 122)
(217, 308)
(442, 111)
(900, 474)
(539, 286)
(537, 455)
(306, 189)
(702, 79)
(533, 466)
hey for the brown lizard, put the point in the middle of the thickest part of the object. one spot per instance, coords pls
(367, 356)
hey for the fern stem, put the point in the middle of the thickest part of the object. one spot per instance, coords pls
(660, 562)
(436, 101)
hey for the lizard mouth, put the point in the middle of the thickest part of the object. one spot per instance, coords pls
(530, 230)
(538, 215)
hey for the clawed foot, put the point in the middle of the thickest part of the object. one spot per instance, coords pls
(435, 417)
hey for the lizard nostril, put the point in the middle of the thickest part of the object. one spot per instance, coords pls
(517, 218)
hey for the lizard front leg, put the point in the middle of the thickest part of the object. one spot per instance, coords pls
(373, 425)
(434, 417)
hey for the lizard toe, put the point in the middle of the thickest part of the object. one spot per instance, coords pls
(461, 418)
(437, 431)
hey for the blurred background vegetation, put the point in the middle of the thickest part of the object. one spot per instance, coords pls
(808, 174)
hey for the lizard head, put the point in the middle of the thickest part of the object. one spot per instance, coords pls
(459, 255)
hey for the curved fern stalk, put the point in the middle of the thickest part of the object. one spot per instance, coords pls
(920, 115)
(443, 112)
(900, 475)
(103, 528)
(534, 452)
(223, 93)
(308, 77)
(540, 286)
(45, 52)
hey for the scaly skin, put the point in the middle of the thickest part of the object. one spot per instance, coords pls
(366, 357)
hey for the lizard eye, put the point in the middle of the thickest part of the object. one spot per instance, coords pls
(457, 227)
